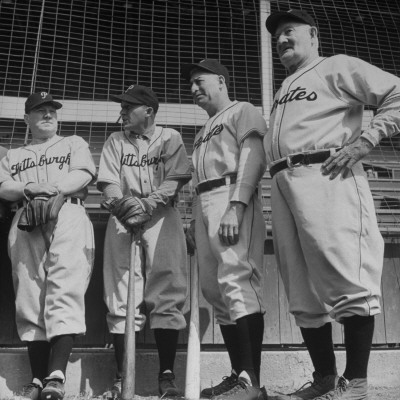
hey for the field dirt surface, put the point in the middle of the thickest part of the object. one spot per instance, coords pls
(375, 393)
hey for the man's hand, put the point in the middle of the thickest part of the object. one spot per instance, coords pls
(36, 189)
(344, 160)
(190, 238)
(230, 223)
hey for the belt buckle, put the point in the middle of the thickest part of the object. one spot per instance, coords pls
(305, 161)
(289, 163)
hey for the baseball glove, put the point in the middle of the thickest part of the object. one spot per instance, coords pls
(39, 211)
(130, 211)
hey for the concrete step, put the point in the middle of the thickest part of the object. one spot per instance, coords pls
(91, 371)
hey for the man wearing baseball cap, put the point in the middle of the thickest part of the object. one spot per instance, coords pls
(50, 272)
(138, 95)
(327, 241)
(227, 226)
(38, 99)
(145, 164)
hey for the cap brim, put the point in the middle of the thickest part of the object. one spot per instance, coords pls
(55, 104)
(274, 19)
(124, 97)
(186, 70)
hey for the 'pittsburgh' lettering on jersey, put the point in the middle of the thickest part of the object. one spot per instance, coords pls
(28, 163)
(213, 132)
(131, 160)
(296, 94)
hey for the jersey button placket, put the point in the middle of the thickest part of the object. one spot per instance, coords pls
(144, 171)
(41, 167)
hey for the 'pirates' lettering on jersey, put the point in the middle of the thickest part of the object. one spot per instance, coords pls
(213, 132)
(28, 163)
(296, 94)
(131, 160)
(330, 111)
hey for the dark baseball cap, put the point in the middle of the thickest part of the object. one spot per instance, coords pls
(209, 64)
(37, 99)
(275, 18)
(138, 94)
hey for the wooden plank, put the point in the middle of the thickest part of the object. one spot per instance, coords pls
(271, 296)
(8, 334)
(95, 308)
(337, 333)
(391, 292)
(380, 328)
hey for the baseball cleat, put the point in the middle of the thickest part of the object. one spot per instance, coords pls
(242, 391)
(228, 382)
(53, 389)
(31, 391)
(320, 386)
(356, 389)
(167, 386)
(115, 392)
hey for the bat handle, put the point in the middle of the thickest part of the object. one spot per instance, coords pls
(128, 374)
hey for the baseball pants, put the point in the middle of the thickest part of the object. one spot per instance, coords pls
(52, 266)
(327, 244)
(230, 276)
(160, 272)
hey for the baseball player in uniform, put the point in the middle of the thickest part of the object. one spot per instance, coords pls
(228, 228)
(51, 264)
(327, 242)
(149, 164)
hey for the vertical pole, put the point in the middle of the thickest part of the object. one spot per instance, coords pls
(36, 60)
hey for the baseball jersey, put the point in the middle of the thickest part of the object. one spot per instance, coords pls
(139, 164)
(48, 162)
(321, 106)
(217, 146)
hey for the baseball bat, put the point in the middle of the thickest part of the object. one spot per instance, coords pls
(192, 386)
(128, 369)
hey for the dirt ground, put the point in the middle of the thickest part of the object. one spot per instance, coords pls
(375, 393)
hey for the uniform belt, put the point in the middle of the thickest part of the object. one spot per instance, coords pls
(72, 200)
(214, 183)
(296, 160)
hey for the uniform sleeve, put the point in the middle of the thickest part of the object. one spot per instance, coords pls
(177, 165)
(177, 171)
(81, 157)
(252, 165)
(360, 83)
(5, 173)
(110, 163)
(3, 152)
(251, 128)
(248, 121)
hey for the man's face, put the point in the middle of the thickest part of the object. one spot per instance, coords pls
(42, 121)
(133, 115)
(205, 87)
(294, 43)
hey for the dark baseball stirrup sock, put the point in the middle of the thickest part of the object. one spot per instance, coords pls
(119, 346)
(61, 348)
(167, 342)
(231, 340)
(250, 332)
(358, 333)
(320, 347)
(39, 353)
